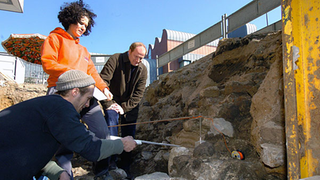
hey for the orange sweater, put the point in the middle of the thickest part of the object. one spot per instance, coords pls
(60, 53)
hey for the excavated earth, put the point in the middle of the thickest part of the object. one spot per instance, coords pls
(229, 101)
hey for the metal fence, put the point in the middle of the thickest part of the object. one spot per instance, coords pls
(34, 73)
(249, 12)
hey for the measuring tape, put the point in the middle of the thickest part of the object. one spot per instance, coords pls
(139, 142)
(237, 154)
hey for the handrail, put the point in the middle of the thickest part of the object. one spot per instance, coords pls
(244, 15)
(250, 12)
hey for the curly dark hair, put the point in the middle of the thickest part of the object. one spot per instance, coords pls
(71, 13)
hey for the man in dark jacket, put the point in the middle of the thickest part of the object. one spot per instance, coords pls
(33, 130)
(126, 77)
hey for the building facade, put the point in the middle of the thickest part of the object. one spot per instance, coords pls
(169, 40)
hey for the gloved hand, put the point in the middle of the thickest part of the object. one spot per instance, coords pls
(116, 107)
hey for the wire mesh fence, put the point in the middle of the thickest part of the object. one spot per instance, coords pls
(34, 73)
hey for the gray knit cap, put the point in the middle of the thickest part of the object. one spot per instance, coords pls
(73, 79)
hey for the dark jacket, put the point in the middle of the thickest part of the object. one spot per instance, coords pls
(33, 130)
(116, 73)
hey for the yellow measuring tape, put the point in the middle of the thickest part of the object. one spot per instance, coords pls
(237, 154)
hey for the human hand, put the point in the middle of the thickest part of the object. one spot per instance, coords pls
(108, 94)
(116, 107)
(64, 176)
(128, 143)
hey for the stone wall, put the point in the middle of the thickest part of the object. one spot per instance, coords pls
(238, 93)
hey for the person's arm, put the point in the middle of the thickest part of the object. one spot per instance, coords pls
(108, 69)
(138, 92)
(49, 57)
(107, 74)
(66, 128)
(128, 145)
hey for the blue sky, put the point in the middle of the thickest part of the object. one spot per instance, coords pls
(121, 22)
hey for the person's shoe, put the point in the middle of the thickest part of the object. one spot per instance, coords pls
(118, 174)
(130, 177)
(106, 176)
(112, 166)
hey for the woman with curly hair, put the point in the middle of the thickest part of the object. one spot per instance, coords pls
(61, 52)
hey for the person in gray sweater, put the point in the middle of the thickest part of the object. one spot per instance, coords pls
(32, 131)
